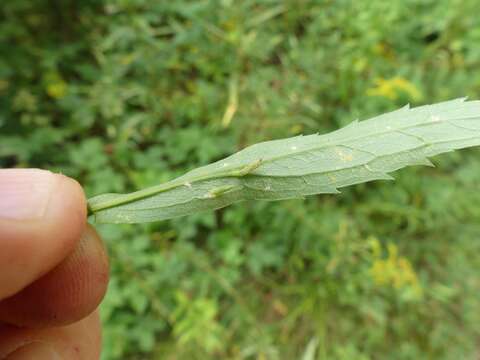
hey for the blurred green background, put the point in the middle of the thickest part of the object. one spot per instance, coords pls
(123, 94)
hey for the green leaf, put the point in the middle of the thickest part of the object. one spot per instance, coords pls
(304, 165)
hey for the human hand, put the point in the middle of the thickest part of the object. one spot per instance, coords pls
(53, 269)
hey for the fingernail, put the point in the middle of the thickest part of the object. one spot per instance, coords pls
(35, 350)
(25, 193)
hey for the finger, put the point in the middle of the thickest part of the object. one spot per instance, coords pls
(68, 293)
(42, 216)
(79, 341)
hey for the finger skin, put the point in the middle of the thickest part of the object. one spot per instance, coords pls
(52, 269)
(79, 341)
(69, 292)
(31, 248)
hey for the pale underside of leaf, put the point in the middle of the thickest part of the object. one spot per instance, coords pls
(304, 165)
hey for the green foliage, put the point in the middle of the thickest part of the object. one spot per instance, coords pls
(125, 94)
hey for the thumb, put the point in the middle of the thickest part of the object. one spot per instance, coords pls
(42, 216)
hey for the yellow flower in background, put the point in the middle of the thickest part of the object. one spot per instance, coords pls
(393, 88)
(57, 90)
(393, 271)
(55, 86)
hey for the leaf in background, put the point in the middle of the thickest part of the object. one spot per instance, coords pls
(304, 165)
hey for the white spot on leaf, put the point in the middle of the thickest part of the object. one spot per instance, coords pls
(344, 157)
